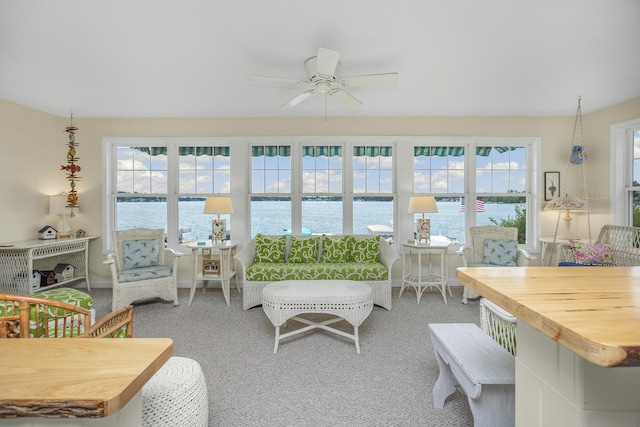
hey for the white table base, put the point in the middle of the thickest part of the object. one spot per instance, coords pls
(345, 299)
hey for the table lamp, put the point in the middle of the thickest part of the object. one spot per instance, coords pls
(567, 205)
(423, 204)
(218, 205)
(58, 206)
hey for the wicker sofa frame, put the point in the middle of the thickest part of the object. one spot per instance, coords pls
(623, 242)
(252, 290)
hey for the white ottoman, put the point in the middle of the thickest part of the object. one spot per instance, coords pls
(176, 395)
(346, 299)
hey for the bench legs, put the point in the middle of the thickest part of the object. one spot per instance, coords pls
(445, 384)
(493, 407)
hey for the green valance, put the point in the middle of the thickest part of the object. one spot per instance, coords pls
(372, 151)
(317, 151)
(457, 151)
(271, 150)
(186, 151)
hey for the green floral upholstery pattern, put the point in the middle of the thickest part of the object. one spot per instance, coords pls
(268, 272)
(144, 273)
(500, 252)
(365, 250)
(269, 249)
(336, 250)
(140, 253)
(303, 250)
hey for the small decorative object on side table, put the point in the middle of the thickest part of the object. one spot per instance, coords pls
(206, 271)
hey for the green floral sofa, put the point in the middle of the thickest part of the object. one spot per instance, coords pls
(363, 258)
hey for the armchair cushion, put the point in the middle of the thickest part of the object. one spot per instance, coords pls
(592, 254)
(500, 252)
(269, 249)
(303, 250)
(144, 273)
(365, 250)
(335, 249)
(139, 253)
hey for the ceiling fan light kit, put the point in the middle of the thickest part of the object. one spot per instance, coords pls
(322, 71)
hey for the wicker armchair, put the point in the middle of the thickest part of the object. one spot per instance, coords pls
(142, 268)
(56, 319)
(472, 253)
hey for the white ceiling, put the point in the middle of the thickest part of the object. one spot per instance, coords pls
(190, 58)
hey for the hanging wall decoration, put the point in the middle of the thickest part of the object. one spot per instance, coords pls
(72, 168)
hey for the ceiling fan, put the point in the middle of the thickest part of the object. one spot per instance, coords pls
(322, 76)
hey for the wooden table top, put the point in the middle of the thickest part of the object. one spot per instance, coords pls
(593, 311)
(76, 377)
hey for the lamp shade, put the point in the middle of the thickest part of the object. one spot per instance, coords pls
(566, 203)
(422, 204)
(58, 205)
(218, 205)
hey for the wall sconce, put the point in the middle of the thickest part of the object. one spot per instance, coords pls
(423, 204)
(218, 205)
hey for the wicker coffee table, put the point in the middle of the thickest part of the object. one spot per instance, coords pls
(346, 299)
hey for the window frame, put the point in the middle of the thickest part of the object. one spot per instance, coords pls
(172, 195)
(533, 176)
(621, 178)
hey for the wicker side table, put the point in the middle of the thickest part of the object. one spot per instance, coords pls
(346, 299)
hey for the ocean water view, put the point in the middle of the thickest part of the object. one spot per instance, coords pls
(274, 217)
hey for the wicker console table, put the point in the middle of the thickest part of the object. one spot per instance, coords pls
(17, 262)
(345, 299)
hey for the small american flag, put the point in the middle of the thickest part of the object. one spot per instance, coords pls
(479, 205)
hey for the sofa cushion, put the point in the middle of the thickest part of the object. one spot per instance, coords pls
(139, 253)
(269, 249)
(271, 272)
(303, 250)
(591, 254)
(335, 249)
(500, 252)
(365, 250)
(144, 273)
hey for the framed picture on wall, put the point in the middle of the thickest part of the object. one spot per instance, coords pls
(551, 185)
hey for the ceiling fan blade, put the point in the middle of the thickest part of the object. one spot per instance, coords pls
(384, 79)
(327, 62)
(298, 99)
(344, 98)
(277, 79)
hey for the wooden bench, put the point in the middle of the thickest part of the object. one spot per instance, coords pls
(470, 358)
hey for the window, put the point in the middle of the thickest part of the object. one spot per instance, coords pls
(161, 183)
(342, 189)
(625, 194)
(482, 173)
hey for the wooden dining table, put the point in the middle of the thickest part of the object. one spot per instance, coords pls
(96, 381)
(578, 341)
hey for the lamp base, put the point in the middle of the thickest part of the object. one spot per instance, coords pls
(63, 229)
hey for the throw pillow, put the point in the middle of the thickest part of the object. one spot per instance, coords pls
(139, 253)
(335, 249)
(365, 250)
(269, 249)
(303, 250)
(500, 252)
(591, 254)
